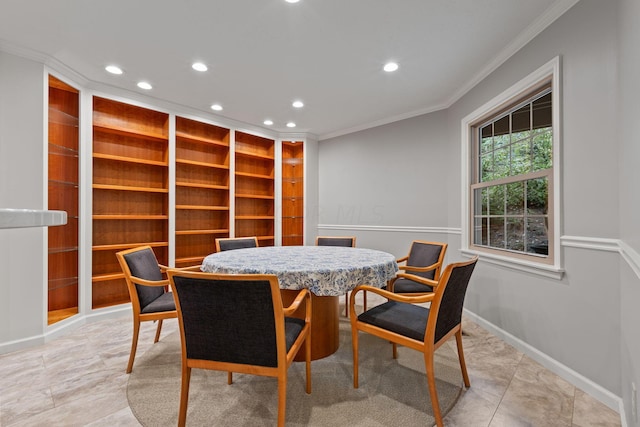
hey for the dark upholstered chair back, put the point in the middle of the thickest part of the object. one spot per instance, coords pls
(347, 242)
(424, 254)
(144, 265)
(227, 321)
(237, 323)
(451, 298)
(236, 243)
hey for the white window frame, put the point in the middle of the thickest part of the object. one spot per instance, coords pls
(553, 266)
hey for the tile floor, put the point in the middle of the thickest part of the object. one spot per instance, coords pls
(79, 380)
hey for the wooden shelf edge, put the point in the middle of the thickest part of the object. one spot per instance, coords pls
(122, 246)
(202, 164)
(196, 232)
(128, 188)
(255, 196)
(254, 217)
(129, 160)
(132, 217)
(107, 277)
(197, 185)
(195, 260)
(202, 208)
(254, 155)
(130, 132)
(254, 175)
(195, 138)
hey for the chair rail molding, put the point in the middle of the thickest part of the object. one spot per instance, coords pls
(631, 257)
(391, 228)
(629, 254)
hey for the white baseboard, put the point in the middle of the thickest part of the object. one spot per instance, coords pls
(598, 392)
(65, 327)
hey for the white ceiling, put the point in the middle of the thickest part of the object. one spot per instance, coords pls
(264, 54)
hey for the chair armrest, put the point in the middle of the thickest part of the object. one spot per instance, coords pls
(418, 299)
(418, 279)
(295, 305)
(403, 259)
(420, 269)
(139, 281)
(164, 268)
(190, 268)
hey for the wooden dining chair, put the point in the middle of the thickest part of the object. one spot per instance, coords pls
(347, 242)
(421, 267)
(402, 321)
(147, 287)
(237, 323)
(230, 243)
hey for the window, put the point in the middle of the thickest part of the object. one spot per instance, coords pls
(513, 169)
(510, 146)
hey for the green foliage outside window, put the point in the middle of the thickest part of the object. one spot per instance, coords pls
(512, 214)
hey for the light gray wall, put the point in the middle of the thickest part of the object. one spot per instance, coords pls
(574, 321)
(386, 176)
(629, 111)
(21, 186)
(553, 316)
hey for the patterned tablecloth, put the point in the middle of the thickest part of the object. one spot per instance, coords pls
(324, 270)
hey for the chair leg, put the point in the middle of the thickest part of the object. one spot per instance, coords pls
(282, 397)
(134, 344)
(184, 396)
(364, 300)
(433, 393)
(157, 338)
(307, 345)
(229, 377)
(346, 304)
(395, 350)
(463, 365)
(354, 345)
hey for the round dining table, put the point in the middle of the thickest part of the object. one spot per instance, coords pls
(327, 271)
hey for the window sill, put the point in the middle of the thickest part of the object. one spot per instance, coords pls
(548, 271)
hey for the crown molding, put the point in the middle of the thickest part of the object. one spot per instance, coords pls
(547, 18)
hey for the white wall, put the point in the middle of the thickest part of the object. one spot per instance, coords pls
(21, 186)
(574, 322)
(564, 319)
(629, 111)
(395, 170)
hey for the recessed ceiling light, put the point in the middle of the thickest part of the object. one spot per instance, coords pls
(199, 66)
(298, 104)
(291, 125)
(292, 1)
(216, 107)
(113, 69)
(144, 85)
(268, 122)
(390, 66)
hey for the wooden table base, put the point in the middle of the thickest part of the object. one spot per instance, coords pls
(325, 314)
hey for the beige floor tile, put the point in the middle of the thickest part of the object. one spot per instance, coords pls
(589, 412)
(80, 380)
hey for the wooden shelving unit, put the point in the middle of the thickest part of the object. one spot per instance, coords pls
(62, 296)
(292, 193)
(202, 189)
(254, 187)
(130, 191)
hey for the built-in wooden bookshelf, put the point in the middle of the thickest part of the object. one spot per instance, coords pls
(202, 189)
(130, 191)
(292, 193)
(254, 187)
(63, 118)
